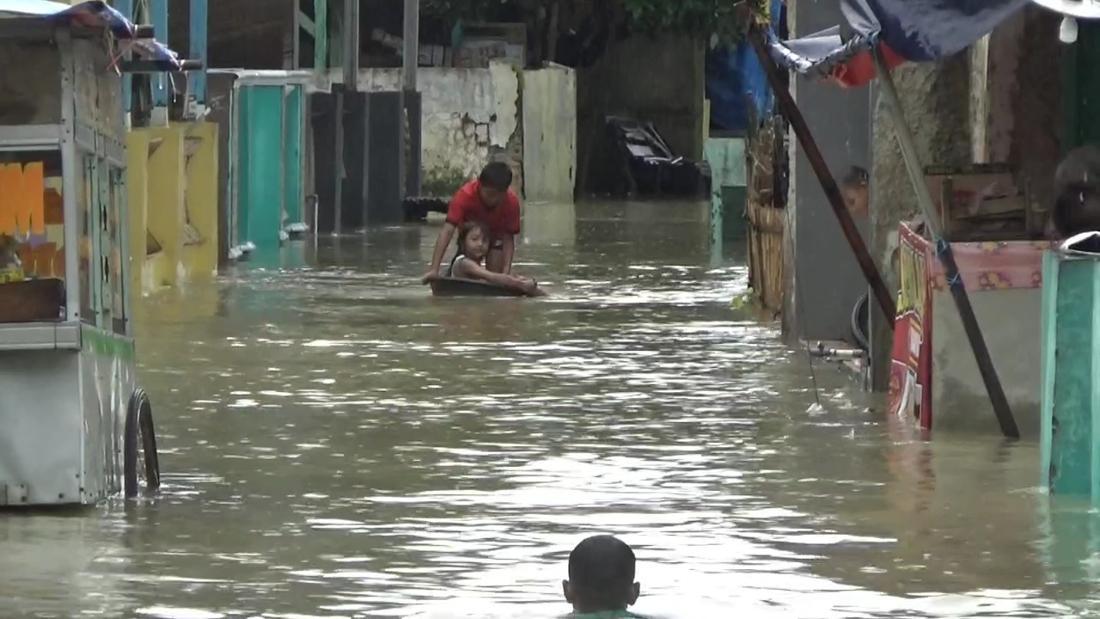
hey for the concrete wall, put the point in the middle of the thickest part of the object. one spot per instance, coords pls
(959, 398)
(827, 281)
(550, 134)
(652, 79)
(464, 118)
(472, 116)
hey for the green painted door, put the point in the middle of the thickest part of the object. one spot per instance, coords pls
(260, 164)
(1070, 440)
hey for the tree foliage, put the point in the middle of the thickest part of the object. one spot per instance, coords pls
(726, 19)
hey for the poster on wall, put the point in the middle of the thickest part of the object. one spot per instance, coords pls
(910, 363)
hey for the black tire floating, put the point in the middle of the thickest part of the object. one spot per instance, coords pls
(139, 424)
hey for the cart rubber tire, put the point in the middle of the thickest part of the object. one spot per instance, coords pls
(139, 424)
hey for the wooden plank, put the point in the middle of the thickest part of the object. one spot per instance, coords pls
(33, 300)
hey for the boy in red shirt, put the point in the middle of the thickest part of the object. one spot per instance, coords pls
(490, 200)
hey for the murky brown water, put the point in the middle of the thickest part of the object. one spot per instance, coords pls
(336, 443)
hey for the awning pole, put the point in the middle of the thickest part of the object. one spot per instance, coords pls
(790, 110)
(943, 251)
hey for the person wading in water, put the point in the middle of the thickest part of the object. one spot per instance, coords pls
(601, 579)
(487, 199)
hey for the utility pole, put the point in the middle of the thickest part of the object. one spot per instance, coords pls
(411, 103)
(350, 32)
(412, 45)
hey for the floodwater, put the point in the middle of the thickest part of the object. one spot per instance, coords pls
(336, 443)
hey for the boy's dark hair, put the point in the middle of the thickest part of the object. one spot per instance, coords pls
(601, 572)
(466, 229)
(855, 178)
(497, 175)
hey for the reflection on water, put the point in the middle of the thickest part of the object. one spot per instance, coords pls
(337, 443)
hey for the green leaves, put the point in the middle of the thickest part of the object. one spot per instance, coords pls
(720, 21)
(724, 20)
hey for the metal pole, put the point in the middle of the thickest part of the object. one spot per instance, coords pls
(410, 100)
(159, 9)
(338, 193)
(943, 251)
(817, 161)
(411, 57)
(198, 50)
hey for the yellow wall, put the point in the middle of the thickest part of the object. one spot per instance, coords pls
(201, 260)
(166, 185)
(166, 188)
(137, 198)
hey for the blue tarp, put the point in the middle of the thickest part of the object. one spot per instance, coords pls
(921, 30)
(736, 84)
(914, 30)
(96, 14)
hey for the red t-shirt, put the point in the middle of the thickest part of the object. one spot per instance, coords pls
(467, 205)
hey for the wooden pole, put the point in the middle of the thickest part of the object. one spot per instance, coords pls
(790, 110)
(943, 251)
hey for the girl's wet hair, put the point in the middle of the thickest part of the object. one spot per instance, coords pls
(466, 229)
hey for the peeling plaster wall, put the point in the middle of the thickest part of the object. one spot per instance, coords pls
(469, 114)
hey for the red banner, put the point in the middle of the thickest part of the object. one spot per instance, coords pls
(910, 365)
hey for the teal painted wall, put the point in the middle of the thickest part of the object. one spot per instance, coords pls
(726, 157)
(1070, 449)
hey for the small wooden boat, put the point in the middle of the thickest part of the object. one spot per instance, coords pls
(458, 287)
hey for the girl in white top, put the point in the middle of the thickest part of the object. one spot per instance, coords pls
(468, 263)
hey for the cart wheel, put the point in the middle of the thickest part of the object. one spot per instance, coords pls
(139, 422)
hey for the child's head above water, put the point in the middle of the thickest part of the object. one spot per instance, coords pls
(473, 240)
(601, 576)
(855, 188)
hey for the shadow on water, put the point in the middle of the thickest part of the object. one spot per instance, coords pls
(338, 443)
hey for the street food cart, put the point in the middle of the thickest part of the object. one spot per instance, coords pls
(75, 428)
